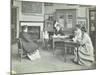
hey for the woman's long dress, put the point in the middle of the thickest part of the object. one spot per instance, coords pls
(85, 50)
(28, 45)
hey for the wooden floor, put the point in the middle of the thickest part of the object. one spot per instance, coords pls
(47, 62)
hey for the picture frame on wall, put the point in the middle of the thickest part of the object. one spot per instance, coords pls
(48, 22)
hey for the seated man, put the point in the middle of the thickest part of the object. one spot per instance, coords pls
(30, 48)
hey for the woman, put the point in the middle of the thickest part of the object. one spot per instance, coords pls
(77, 32)
(85, 50)
(77, 35)
(30, 48)
(58, 29)
(61, 21)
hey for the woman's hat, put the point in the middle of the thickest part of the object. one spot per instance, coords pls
(78, 25)
(84, 29)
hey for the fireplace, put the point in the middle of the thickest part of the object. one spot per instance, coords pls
(35, 29)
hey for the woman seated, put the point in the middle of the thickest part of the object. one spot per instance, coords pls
(58, 29)
(30, 48)
(85, 49)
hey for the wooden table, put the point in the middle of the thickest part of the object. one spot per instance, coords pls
(71, 44)
(67, 43)
(54, 40)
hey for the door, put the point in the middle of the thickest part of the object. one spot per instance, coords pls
(13, 24)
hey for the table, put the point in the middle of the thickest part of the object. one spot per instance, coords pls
(67, 43)
(54, 40)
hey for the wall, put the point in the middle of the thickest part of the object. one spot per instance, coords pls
(24, 17)
(81, 11)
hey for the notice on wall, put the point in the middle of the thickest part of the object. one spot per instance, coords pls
(69, 20)
(69, 23)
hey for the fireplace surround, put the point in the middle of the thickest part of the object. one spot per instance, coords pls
(35, 29)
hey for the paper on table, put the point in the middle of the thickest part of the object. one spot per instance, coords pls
(59, 36)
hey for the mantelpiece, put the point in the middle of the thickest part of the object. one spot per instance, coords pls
(34, 27)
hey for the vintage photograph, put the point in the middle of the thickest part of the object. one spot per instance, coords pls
(52, 37)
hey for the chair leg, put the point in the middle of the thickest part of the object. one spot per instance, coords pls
(20, 57)
(65, 54)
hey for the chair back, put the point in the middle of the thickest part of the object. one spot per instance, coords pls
(19, 43)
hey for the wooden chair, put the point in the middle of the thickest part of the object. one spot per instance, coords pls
(20, 49)
(45, 41)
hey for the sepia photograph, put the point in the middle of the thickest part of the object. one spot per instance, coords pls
(52, 37)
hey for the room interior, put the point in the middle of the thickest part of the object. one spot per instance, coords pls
(39, 16)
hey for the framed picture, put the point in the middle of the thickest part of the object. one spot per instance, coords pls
(48, 22)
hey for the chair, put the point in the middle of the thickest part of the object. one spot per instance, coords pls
(20, 49)
(46, 40)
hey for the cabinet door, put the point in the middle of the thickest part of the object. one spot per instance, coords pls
(70, 19)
